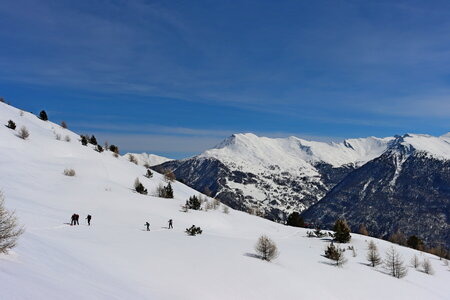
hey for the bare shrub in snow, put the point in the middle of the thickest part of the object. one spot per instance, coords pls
(394, 263)
(67, 138)
(427, 268)
(58, 136)
(69, 172)
(23, 133)
(132, 159)
(363, 230)
(9, 228)
(169, 176)
(21, 113)
(226, 209)
(372, 255)
(266, 248)
(415, 262)
(216, 203)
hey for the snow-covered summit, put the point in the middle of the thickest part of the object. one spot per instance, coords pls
(436, 147)
(295, 153)
(148, 159)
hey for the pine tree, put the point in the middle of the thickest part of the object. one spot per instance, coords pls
(93, 140)
(149, 174)
(415, 242)
(11, 125)
(342, 231)
(193, 203)
(139, 187)
(169, 191)
(84, 140)
(43, 115)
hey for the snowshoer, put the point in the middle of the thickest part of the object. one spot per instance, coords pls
(170, 224)
(77, 217)
(88, 218)
(148, 225)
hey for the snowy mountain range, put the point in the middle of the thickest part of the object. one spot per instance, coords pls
(116, 258)
(274, 177)
(144, 159)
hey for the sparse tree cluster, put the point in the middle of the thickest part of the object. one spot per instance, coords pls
(165, 191)
(266, 248)
(10, 230)
(193, 203)
(132, 159)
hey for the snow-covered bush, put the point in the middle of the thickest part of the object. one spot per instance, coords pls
(67, 138)
(226, 210)
(193, 230)
(23, 133)
(57, 136)
(69, 172)
(11, 125)
(9, 228)
(266, 248)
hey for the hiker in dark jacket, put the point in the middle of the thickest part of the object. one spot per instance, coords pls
(88, 218)
(148, 225)
(72, 220)
(77, 218)
(170, 224)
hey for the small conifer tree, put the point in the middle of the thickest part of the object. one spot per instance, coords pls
(93, 140)
(372, 255)
(334, 253)
(294, 219)
(43, 115)
(84, 140)
(139, 187)
(342, 231)
(148, 174)
(169, 191)
(193, 203)
(11, 125)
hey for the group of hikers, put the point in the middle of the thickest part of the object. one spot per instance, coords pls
(147, 224)
(75, 220)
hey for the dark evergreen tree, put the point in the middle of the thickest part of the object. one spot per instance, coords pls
(342, 231)
(193, 230)
(99, 149)
(169, 190)
(139, 187)
(93, 140)
(193, 203)
(149, 174)
(43, 116)
(415, 242)
(294, 219)
(336, 254)
(114, 148)
(84, 140)
(11, 125)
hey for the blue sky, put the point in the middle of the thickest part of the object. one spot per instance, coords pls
(176, 77)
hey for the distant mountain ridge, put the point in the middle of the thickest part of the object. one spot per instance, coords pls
(276, 176)
(148, 159)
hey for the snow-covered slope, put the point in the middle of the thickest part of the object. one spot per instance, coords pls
(116, 259)
(148, 159)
